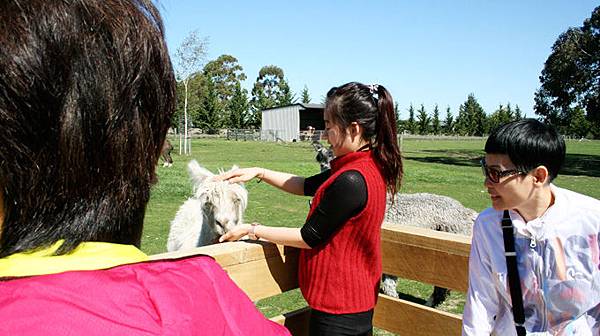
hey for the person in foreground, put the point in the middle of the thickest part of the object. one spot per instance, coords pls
(340, 260)
(556, 240)
(86, 96)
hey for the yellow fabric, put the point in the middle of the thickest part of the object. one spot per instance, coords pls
(87, 256)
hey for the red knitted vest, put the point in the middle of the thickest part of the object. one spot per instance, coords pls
(342, 276)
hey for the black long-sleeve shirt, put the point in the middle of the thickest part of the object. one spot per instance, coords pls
(344, 198)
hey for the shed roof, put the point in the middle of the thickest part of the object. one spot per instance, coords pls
(302, 105)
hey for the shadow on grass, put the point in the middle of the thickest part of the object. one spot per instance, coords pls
(411, 298)
(461, 157)
(575, 164)
(581, 164)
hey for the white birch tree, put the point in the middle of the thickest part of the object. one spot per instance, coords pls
(190, 57)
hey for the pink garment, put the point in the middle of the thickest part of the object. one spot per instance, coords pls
(191, 296)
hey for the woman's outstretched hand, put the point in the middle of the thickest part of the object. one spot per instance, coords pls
(237, 233)
(241, 175)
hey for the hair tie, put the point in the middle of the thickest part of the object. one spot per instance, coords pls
(373, 90)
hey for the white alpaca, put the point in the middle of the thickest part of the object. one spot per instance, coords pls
(429, 211)
(214, 209)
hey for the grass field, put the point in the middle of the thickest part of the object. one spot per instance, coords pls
(446, 167)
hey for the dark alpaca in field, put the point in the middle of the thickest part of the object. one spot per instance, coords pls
(324, 155)
(165, 153)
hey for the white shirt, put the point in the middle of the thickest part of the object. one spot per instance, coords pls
(558, 262)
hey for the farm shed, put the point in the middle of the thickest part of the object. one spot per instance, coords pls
(286, 122)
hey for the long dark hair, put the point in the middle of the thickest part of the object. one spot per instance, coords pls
(86, 96)
(372, 107)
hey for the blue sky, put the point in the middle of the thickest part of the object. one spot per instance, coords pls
(424, 52)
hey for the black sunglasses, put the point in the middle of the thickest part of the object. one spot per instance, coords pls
(495, 175)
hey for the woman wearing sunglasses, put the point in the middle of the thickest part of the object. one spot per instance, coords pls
(550, 242)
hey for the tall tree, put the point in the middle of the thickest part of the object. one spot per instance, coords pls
(189, 55)
(286, 97)
(210, 116)
(471, 118)
(509, 112)
(435, 121)
(238, 108)
(571, 75)
(423, 120)
(225, 72)
(518, 113)
(270, 90)
(461, 125)
(449, 122)
(578, 125)
(501, 116)
(305, 95)
(399, 123)
(411, 125)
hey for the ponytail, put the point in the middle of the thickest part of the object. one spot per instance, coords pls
(372, 107)
(385, 147)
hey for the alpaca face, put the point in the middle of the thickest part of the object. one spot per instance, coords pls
(324, 155)
(215, 208)
(223, 205)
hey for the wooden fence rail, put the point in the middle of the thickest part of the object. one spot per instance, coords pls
(264, 269)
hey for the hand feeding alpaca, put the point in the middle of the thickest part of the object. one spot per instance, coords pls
(214, 209)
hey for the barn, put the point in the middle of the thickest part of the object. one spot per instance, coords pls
(291, 122)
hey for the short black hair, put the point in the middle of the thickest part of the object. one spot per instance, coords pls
(87, 92)
(529, 143)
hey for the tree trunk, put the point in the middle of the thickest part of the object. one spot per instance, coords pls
(180, 126)
(185, 117)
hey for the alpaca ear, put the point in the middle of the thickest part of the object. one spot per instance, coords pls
(198, 174)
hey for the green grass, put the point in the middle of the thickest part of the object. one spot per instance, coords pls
(445, 167)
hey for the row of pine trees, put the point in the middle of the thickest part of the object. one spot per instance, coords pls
(216, 100)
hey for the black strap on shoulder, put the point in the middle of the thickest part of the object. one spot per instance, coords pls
(513, 274)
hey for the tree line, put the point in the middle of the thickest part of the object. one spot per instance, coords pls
(470, 121)
(215, 97)
(569, 96)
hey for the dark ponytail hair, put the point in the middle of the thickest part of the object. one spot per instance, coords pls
(372, 107)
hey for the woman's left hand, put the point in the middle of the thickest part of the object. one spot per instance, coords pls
(237, 233)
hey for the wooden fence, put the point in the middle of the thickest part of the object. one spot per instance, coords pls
(264, 269)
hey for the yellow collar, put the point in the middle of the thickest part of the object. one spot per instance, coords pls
(87, 256)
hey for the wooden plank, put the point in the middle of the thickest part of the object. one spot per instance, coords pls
(428, 256)
(266, 277)
(259, 268)
(426, 238)
(407, 318)
(233, 253)
(296, 322)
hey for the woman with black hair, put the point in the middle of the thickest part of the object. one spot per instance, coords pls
(340, 261)
(534, 267)
(86, 97)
